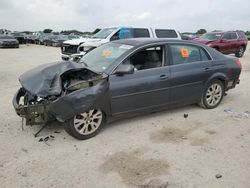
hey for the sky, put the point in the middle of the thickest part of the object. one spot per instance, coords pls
(87, 15)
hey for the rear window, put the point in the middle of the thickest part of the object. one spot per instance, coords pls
(242, 35)
(166, 33)
(139, 32)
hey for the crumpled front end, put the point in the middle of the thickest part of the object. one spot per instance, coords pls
(60, 93)
(31, 108)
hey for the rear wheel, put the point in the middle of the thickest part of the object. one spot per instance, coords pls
(212, 95)
(85, 125)
(240, 52)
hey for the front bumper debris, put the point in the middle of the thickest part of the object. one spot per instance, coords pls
(34, 114)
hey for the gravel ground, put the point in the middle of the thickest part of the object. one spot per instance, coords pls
(162, 149)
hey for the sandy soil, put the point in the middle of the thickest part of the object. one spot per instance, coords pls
(159, 150)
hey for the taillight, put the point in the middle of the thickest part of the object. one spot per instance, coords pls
(238, 64)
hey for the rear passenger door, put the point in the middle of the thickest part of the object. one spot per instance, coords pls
(190, 68)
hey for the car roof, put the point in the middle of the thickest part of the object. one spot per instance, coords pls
(144, 41)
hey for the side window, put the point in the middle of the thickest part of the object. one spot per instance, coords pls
(165, 33)
(147, 58)
(115, 36)
(233, 36)
(139, 32)
(227, 36)
(182, 54)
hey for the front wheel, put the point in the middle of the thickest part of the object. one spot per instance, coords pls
(85, 125)
(213, 94)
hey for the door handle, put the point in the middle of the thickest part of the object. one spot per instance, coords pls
(207, 69)
(163, 77)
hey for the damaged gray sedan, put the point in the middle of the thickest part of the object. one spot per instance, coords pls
(124, 78)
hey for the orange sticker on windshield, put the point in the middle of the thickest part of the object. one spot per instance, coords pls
(106, 53)
(184, 52)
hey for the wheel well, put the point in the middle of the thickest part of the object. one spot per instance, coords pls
(244, 46)
(223, 81)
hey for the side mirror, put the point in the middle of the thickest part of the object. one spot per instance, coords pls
(124, 69)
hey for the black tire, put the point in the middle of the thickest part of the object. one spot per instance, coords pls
(205, 96)
(240, 52)
(70, 128)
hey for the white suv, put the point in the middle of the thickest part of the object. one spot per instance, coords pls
(80, 46)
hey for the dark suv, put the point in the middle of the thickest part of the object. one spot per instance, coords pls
(226, 42)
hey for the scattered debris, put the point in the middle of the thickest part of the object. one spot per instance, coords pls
(40, 130)
(46, 139)
(40, 140)
(218, 176)
(22, 123)
(24, 150)
(76, 147)
(237, 114)
(185, 115)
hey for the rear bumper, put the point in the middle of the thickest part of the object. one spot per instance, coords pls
(232, 84)
(33, 113)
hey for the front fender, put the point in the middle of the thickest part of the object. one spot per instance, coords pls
(65, 107)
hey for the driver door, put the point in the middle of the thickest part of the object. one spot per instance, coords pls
(146, 88)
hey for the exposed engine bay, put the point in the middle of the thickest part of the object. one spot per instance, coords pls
(80, 79)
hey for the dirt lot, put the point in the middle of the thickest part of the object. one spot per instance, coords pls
(162, 149)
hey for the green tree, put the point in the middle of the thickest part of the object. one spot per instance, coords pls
(201, 31)
(96, 30)
(47, 30)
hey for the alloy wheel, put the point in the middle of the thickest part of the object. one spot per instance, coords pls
(88, 122)
(214, 94)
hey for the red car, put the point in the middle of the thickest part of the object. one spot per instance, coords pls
(226, 42)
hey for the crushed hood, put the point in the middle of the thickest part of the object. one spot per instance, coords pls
(45, 80)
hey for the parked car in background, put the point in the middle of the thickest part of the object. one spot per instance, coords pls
(189, 36)
(55, 40)
(226, 42)
(83, 45)
(8, 42)
(123, 78)
(31, 39)
(20, 37)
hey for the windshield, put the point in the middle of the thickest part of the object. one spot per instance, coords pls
(211, 36)
(104, 33)
(102, 57)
